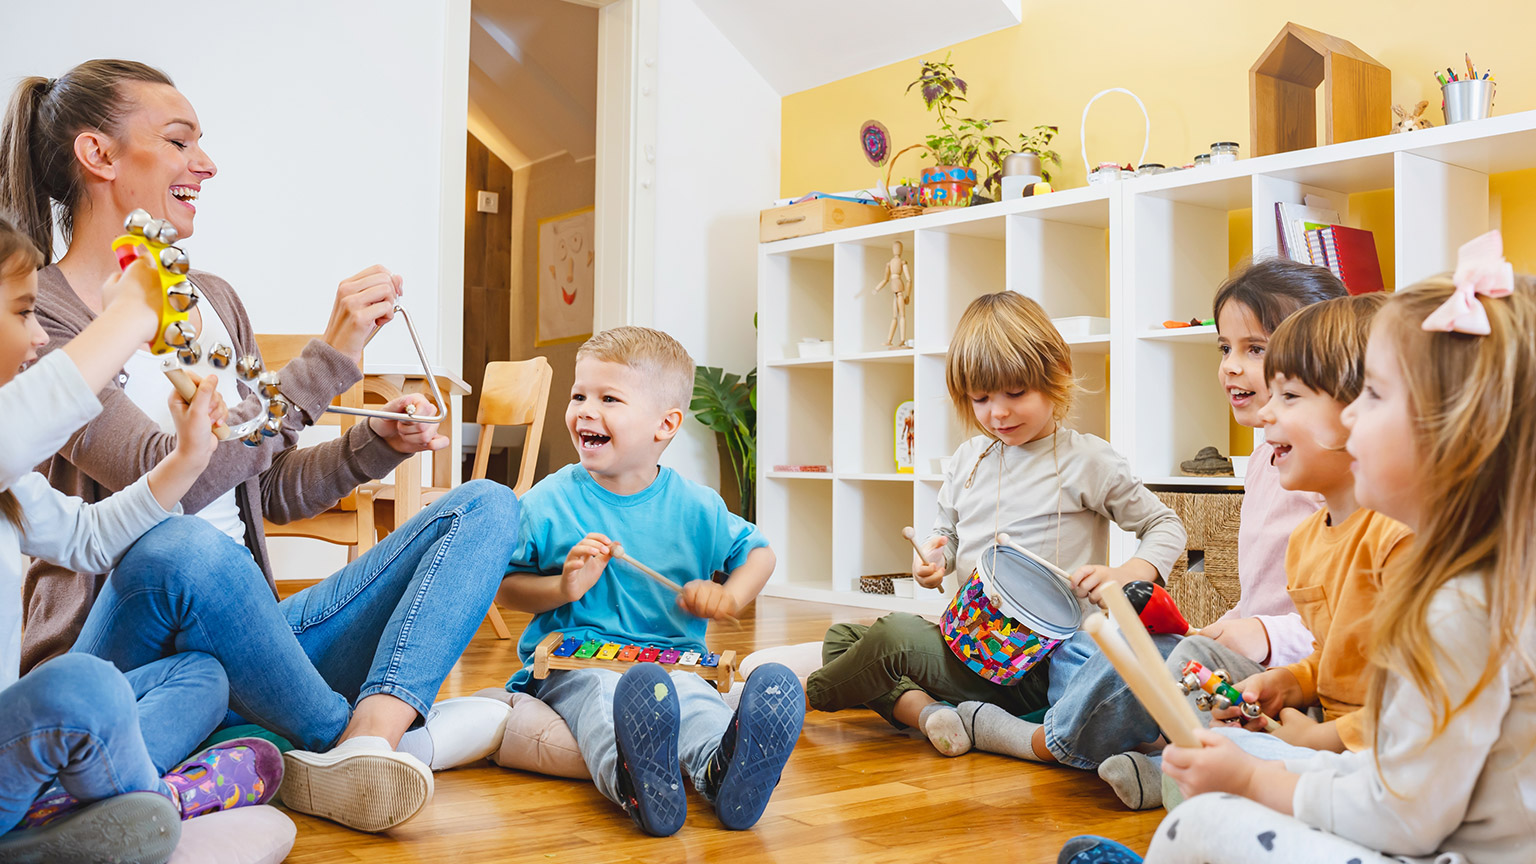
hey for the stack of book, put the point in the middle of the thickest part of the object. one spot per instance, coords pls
(1309, 233)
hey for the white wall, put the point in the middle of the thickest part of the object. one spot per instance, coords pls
(717, 165)
(338, 130)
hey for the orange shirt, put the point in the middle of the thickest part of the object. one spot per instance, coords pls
(1333, 574)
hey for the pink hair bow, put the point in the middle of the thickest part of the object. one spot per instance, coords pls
(1480, 269)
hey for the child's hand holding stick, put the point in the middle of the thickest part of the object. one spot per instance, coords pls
(924, 571)
(620, 554)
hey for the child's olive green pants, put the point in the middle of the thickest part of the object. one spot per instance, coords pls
(873, 664)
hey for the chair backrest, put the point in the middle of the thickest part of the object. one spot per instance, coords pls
(279, 348)
(514, 393)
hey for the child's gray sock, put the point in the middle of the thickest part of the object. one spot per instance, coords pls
(941, 725)
(1136, 780)
(996, 731)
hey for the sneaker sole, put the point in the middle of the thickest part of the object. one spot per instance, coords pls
(367, 792)
(645, 720)
(1091, 849)
(772, 711)
(136, 828)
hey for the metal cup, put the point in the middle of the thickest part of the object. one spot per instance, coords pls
(1467, 100)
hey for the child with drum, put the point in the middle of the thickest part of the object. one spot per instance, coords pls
(1096, 727)
(1053, 491)
(637, 731)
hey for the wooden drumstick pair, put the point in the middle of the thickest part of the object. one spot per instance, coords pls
(1138, 661)
(673, 586)
(911, 536)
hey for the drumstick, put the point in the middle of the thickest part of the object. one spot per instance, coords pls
(1143, 685)
(183, 384)
(676, 588)
(1004, 539)
(1146, 652)
(911, 536)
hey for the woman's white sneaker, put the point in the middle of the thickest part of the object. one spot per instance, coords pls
(361, 783)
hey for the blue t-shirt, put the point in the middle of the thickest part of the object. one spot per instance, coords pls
(675, 526)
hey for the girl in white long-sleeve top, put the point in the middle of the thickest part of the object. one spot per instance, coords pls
(112, 742)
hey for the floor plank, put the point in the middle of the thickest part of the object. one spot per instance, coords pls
(854, 791)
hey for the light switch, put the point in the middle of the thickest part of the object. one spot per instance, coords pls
(487, 202)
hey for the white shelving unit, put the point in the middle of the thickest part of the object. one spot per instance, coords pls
(1138, 252)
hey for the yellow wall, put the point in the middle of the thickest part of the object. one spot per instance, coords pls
(1188, 62)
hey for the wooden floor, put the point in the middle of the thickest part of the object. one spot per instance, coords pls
(853, 791)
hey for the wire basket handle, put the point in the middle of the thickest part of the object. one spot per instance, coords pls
(1082, 131)
(892, 164)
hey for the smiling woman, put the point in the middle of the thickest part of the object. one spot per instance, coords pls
(344, 666)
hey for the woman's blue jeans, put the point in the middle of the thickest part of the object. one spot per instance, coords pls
(393, 622)
(78, 722)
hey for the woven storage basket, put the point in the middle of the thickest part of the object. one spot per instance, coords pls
(1211, 520)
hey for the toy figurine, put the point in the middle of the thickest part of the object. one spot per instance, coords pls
(1216, 691)
(1407, 122)
(899, 276)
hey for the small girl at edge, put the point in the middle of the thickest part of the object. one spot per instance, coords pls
(73, 720)
(1052, 489)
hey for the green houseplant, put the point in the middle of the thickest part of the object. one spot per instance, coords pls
(1036, 141)
(727, 403)
(962, 141)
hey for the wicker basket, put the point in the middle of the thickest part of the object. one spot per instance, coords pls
(1211, 520)
(908, 210)
(883, 583)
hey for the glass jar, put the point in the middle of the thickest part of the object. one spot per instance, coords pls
(1224, 152)
(1202, 160)
(1107, 172)
(1147, 169)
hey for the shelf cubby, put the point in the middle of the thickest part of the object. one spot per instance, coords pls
(802, 307)
(1139, 251)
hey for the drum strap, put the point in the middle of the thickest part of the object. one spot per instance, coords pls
(997, 512)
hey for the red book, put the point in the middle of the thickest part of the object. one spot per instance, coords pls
(1359, 266)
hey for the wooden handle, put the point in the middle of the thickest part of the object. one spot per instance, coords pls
(1006, 541)
(1142, 682)
(911, 535)
(184, 386)
(676, 588)
(1148, 656)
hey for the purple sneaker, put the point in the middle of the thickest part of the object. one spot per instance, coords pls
(237, 773)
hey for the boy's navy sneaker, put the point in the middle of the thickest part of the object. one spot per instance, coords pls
(745, 768)
(645, 721)
(1088, 849)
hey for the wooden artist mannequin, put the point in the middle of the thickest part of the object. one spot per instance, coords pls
(899, 276)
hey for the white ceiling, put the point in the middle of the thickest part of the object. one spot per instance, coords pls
(799, 44)
(533, 63)
(533, 78)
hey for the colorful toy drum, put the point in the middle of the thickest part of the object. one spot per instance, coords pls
(1035, 612)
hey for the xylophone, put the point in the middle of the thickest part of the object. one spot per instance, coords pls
(555, 651)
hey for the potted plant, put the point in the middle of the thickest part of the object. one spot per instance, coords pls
(1034, 143)
(727, 403)
(960, 139)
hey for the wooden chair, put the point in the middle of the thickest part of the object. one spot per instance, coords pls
(350, 522)
(514, 393)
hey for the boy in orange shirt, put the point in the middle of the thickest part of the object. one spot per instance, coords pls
(1333, 563)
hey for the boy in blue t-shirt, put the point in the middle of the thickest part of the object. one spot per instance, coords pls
(636, 731)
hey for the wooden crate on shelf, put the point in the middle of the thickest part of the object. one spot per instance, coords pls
(814, 217)
(1211, 520)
